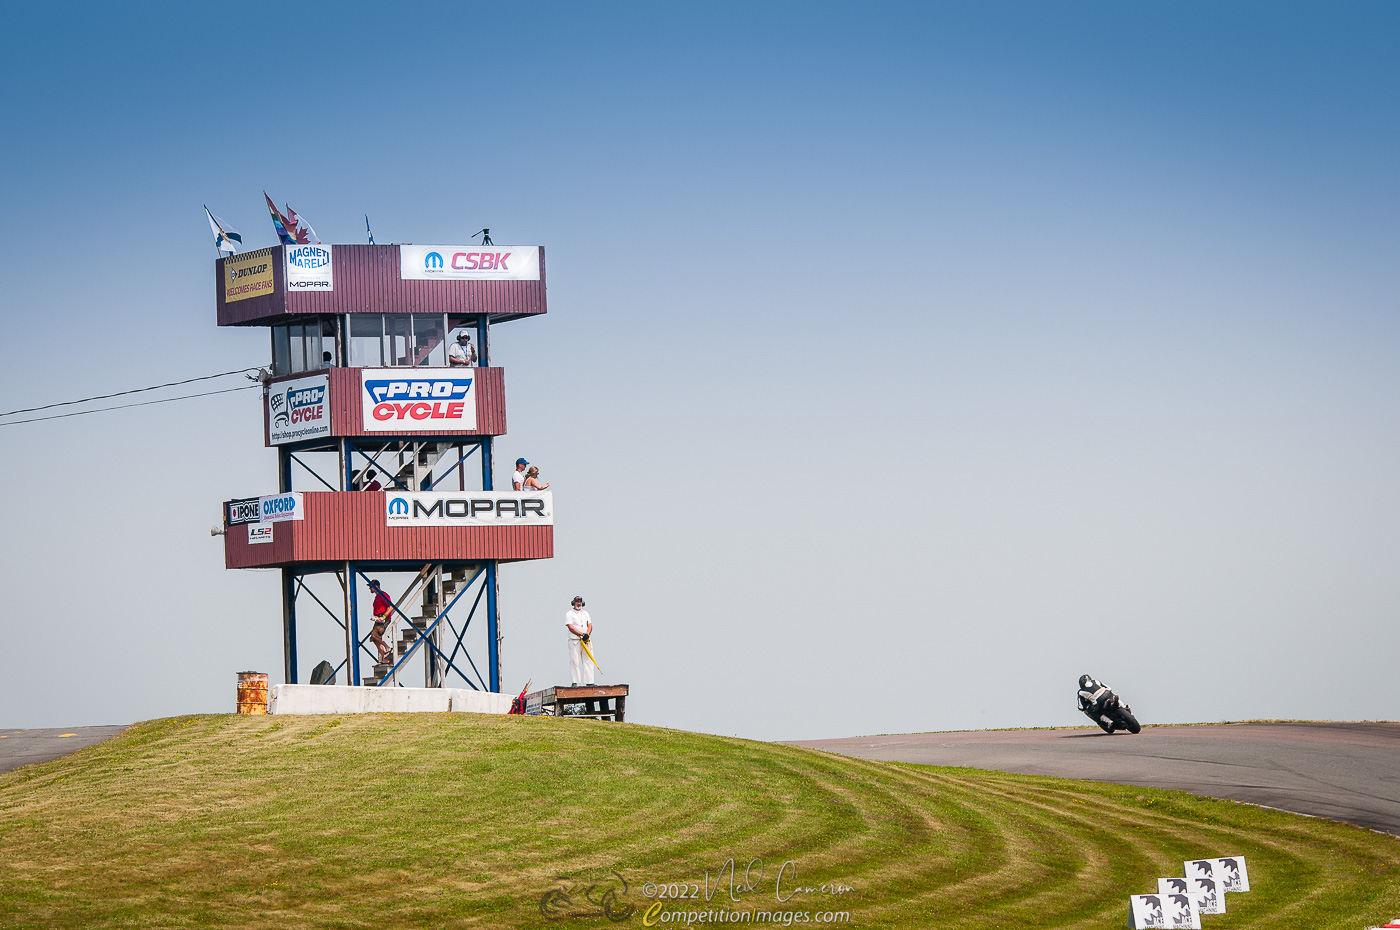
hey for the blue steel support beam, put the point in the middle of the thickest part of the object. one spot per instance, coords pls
(353, 623)
(289, 627)
(493, 651)
(486, 464)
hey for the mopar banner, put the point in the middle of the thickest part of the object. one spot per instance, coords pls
(309, 268)
(247, 510)
(469, 508)
(247, 275)
(469, 262)
(278, 507)
(437, 400)
(298, 409)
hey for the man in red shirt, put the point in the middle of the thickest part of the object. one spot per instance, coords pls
(383, 610)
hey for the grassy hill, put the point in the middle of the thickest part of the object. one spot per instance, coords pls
(459, 820)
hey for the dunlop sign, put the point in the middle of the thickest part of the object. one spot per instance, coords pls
(469, 508)
(248, 275)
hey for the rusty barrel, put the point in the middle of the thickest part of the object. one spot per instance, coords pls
(252, 692)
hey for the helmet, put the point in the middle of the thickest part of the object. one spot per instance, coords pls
(1084, 680)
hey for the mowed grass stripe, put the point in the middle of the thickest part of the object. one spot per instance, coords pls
(457, 820)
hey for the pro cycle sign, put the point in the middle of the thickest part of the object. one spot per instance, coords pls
(469, 508)
(398, 400)
(469, 262)
(298, 409)
(309, 268)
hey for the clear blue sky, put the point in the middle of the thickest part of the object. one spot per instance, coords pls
(929, 347)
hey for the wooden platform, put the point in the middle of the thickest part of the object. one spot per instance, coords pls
(601, 702)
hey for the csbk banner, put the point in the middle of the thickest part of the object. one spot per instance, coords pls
(469, 508)
(469, 262)
(397, 400)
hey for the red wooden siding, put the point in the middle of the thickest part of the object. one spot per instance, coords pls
(367, 281)
(350, 526)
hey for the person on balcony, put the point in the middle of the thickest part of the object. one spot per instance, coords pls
(532, 480)
(580, 626)
(517, 478)
(463, 353)
(371, 483)
(383, 611)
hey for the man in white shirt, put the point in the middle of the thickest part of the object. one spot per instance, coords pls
(463, 353)
(580, 627)
(517, 479)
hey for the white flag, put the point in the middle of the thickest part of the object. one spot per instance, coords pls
(226, 238)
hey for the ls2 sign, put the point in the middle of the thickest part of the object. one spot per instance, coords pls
(429, 400)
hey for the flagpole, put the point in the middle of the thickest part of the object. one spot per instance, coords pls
(218, 252)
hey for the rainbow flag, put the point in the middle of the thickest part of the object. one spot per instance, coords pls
(281, 223)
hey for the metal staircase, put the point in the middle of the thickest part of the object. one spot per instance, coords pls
(437, 588)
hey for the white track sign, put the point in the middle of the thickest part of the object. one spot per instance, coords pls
(1206, 892)
(1228, 871)
(1163, 912)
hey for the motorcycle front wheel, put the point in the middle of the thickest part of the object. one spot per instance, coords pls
(1129, 721)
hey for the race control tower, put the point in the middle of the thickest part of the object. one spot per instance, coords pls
(383, 418)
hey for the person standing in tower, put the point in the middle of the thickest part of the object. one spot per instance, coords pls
(580, 627)
(517, 477)
(463, 353)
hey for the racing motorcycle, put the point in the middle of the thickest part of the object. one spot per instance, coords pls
(1098, 702)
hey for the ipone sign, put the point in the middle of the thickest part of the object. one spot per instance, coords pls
(397, 400)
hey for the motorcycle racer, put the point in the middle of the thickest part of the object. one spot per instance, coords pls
(1095, 698)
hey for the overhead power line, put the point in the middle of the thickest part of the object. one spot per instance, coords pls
(144, 403)
(154, 387)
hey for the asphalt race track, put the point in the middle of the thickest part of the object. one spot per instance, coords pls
(21, 747)
(1343, 771)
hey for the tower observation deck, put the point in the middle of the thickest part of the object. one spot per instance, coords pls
(383, 407)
